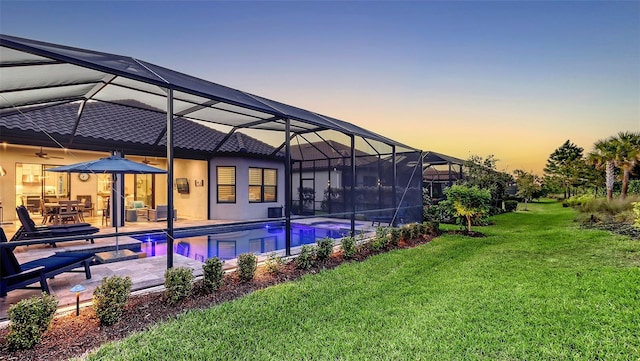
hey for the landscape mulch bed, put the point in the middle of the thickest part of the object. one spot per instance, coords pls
(72, 336)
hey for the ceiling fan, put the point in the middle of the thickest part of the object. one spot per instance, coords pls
(44, 155)
(148, 162)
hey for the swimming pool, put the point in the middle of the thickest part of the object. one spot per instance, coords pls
(227, 244)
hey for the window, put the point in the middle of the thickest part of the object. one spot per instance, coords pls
(263, 185)
(226, 184)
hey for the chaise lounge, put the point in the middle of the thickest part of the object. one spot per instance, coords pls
(14, 275)
(29, 230)
(391, 218)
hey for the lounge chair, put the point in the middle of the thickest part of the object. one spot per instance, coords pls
(400, 215)
(14, 275)
(29, 230)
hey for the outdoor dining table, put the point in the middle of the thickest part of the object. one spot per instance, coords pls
(63, 212)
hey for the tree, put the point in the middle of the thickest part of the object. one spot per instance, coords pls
(469, 202)
(627, 156)
(622, 151)
(602, 156)
(564, 162)
(482, 173)
(528, 185)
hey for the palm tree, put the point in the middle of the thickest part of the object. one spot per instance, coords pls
(627, 156)
(622, 151)
(603, 155)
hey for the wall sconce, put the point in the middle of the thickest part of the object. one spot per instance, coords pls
(328, 183)
(379, 182)
(77, 289)
(3, 172)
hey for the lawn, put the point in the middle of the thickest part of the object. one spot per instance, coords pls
(537, 287)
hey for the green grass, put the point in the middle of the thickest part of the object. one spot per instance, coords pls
(537, 287)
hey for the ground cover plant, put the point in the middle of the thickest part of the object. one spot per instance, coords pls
(617, 215)
(537, 287)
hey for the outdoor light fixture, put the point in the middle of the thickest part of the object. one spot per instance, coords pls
(379, 182)
(77, 289)
(328, 182)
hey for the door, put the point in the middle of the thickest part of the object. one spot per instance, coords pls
(144, 189)
(55, 184)
(308, 200)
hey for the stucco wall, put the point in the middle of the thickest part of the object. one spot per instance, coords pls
(242, 209)
(193, 205)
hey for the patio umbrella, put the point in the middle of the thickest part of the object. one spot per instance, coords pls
(110, 165)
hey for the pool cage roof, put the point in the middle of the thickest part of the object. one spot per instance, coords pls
(37, 75)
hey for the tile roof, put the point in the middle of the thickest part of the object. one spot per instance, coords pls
(108, 126)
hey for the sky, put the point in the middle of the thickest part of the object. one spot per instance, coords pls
(509, 79)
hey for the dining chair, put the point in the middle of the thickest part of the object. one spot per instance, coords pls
(69, 211)
(48, 214)
(87, 204)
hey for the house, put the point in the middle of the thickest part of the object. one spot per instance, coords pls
(77, 103)
(32, 138)
(440, 171)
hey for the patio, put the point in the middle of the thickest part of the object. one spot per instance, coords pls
(147, 273)
(144, 272)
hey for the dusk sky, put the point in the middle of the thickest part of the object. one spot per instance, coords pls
(513, 79)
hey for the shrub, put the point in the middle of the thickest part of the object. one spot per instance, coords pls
(636, 211)
(601, 205)
(348, 245)
(415, 230)
(421, 229)
(394, 236)
(469, 202)
(324, 249)
(247, 264)
(578, 201)
(273, 263)
(212, 274)
(110, 298)
(432, 227)
(442, 212)
(405, 232)
(306, 257)
(510, 206)
(381, 239)
(177, 284)
(30, 318)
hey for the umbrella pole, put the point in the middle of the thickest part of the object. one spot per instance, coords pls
(114, 205)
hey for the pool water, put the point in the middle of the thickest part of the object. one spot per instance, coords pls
(257, 239)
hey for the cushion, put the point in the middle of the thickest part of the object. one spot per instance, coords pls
(71, 231)
(77, 255)
(49, 263)
(138, 204)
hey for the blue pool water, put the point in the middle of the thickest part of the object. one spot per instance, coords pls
(202, 244)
